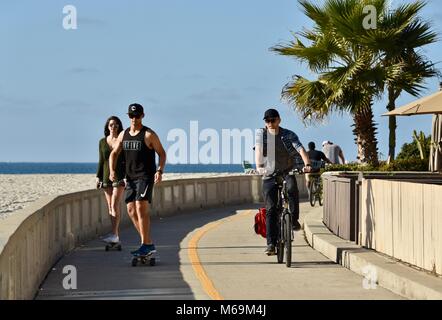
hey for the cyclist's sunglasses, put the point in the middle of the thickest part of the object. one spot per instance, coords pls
(271, 120)
(138, 116)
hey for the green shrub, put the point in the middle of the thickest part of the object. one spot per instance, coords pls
(412, 164)
(411, 150)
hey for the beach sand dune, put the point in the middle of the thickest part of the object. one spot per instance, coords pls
(18, 191)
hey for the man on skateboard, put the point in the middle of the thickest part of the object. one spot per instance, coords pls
(139, 144)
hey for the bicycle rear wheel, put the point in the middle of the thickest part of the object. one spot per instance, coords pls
(312, 193)
(319, 191)
(288, 239)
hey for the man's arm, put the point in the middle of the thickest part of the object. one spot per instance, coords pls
(151, 139)
(114, 156)
(306, 159)
(296, 143)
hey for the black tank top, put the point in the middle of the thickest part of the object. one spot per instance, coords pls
(140, 160)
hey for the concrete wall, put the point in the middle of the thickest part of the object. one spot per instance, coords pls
(403, 220)
(32, 240)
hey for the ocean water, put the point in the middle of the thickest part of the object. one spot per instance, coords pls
(91, 168)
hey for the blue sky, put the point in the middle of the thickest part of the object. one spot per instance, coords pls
(183, 60)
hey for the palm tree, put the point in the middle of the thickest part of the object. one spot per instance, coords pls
(351, 75)
(399, 36)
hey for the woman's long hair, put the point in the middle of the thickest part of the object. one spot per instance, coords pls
(106, 126)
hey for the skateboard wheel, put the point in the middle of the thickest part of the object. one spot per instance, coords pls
(152, 262)
(119, 248)
(134, 262)
(106, 248)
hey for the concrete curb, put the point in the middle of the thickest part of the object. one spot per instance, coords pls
(391, 274)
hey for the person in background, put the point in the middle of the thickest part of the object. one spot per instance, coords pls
(333, 152)
(113, 189)
(317, 158)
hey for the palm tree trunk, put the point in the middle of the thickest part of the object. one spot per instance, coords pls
(365, 132)
(392, 124)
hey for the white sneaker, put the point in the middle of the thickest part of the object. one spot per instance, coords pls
(112, 239)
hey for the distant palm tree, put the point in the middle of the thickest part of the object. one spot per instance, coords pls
(351, 74)
(398, 36)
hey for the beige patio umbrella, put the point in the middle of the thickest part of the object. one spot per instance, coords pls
(431, 104)
(427, 105)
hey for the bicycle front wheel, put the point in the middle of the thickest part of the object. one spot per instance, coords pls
(280, 244)
(280, 251)
(288, 239)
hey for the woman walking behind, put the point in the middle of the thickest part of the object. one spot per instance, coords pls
(113, 190)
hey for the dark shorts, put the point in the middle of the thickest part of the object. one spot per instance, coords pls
(139, 190)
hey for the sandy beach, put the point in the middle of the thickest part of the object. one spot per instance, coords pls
(18, 191)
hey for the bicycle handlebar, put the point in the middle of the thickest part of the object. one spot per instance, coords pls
(290, 173)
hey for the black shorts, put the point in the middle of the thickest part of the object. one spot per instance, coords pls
(139, 190)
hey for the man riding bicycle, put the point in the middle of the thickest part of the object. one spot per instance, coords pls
(318, 160)
(276, 149)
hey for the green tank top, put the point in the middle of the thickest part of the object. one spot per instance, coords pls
(103, 164)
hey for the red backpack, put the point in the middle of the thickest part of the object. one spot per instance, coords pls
(260, 222)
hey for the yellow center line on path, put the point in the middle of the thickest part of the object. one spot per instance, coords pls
(195, 261)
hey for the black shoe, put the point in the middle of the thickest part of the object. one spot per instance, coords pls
(270, 251)
(296, 225)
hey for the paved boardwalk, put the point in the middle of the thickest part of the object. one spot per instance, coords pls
(210, 254)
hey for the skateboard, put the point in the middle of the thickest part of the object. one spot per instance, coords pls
(113, 245)
(149, 258)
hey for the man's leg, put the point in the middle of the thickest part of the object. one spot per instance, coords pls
(130, 197)
(132, 212)
(293, 195)
(143, 214)
(144, 189)
(270, 193)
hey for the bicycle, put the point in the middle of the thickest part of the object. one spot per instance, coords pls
(315, 185)
(285, 227)
(315, 190)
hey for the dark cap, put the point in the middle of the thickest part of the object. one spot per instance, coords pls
(135, 109)
(271, 113)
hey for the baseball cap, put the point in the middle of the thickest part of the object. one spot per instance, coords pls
(135, 109)
(271, 113)
(325, 142)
